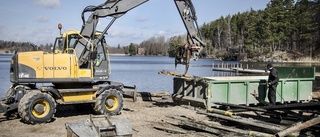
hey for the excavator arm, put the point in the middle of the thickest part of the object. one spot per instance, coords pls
(111, 8)
(194, 45)
(117, 8)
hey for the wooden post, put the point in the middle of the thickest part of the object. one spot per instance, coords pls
(298, 126)
(222, 112)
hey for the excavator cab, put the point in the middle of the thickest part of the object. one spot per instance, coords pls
(100, 61)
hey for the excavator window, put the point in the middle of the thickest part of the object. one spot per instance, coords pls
(58, 46)
(72, 40)
(101, 56)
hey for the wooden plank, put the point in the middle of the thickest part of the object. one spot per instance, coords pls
(239, 131)
(273, 128)
(298, 127)
(202, 127)
(210, 127)
(165, 72)
(170, 129)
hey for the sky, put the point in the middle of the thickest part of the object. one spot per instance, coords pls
(36, 21)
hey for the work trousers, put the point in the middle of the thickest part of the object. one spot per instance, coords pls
(272, 94)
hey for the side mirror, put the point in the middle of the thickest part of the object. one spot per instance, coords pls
(93, 55)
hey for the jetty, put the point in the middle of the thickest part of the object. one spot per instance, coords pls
(236, 68)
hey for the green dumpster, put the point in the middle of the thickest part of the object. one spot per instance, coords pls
(295, 84)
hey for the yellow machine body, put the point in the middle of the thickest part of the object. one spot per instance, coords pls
(60, 67)
(78, 96)
(51, 65)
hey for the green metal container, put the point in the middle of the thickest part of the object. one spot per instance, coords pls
(295, 85)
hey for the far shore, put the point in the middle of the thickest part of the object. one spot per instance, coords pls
(118, 54)
(302, 60)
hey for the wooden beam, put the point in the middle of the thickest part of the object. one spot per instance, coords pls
(273, 128)
(298, 127)
(170, 129)
(203, 127)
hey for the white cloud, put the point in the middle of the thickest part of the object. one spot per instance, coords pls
(51, 4)
(37, 36)
(42, 19)
(45, 35)
(129, 33)
(161, 33)
(142, 19)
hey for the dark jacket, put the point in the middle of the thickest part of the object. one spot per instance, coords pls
(273, 77)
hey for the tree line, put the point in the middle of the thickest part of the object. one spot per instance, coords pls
(11, 46)
(154, 46)
(284, 25)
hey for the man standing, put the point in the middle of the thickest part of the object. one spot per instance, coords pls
(272, 83)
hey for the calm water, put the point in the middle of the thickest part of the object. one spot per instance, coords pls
(143, 71)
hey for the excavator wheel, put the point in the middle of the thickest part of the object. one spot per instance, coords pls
(36, 107)
(109, 102)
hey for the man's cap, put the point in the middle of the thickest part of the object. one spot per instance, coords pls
(269, 66)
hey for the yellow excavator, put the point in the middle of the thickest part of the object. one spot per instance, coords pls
(76, 71)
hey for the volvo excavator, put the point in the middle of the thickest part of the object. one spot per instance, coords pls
(77, 69)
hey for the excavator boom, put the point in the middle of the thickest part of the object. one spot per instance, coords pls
(189, 18)
(117, 8)
(111, 8)
(194, 45)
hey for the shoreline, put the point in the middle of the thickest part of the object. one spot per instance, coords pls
(251, 61)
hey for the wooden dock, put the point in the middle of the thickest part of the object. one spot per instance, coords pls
(236, 68)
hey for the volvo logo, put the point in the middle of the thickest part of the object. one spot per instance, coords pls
(55, 68)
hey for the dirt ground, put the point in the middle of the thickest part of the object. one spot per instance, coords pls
(143, 115)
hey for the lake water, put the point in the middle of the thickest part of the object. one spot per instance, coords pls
(143, 71)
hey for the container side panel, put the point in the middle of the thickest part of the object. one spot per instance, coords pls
(305, 90)
(189, 88)
(288, 91)
(201, 90)
(219, 92)
(237, 93)
(257, 92)
(178, 86)
(296, 72)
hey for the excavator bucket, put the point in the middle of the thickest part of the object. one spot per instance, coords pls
(183, 57)
(99, 126)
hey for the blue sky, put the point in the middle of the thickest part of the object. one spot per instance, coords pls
(36, 20)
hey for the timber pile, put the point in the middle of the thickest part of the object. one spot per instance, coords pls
(251, 121)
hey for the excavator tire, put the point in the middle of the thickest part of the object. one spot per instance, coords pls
(36, 107)
(109, 102)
